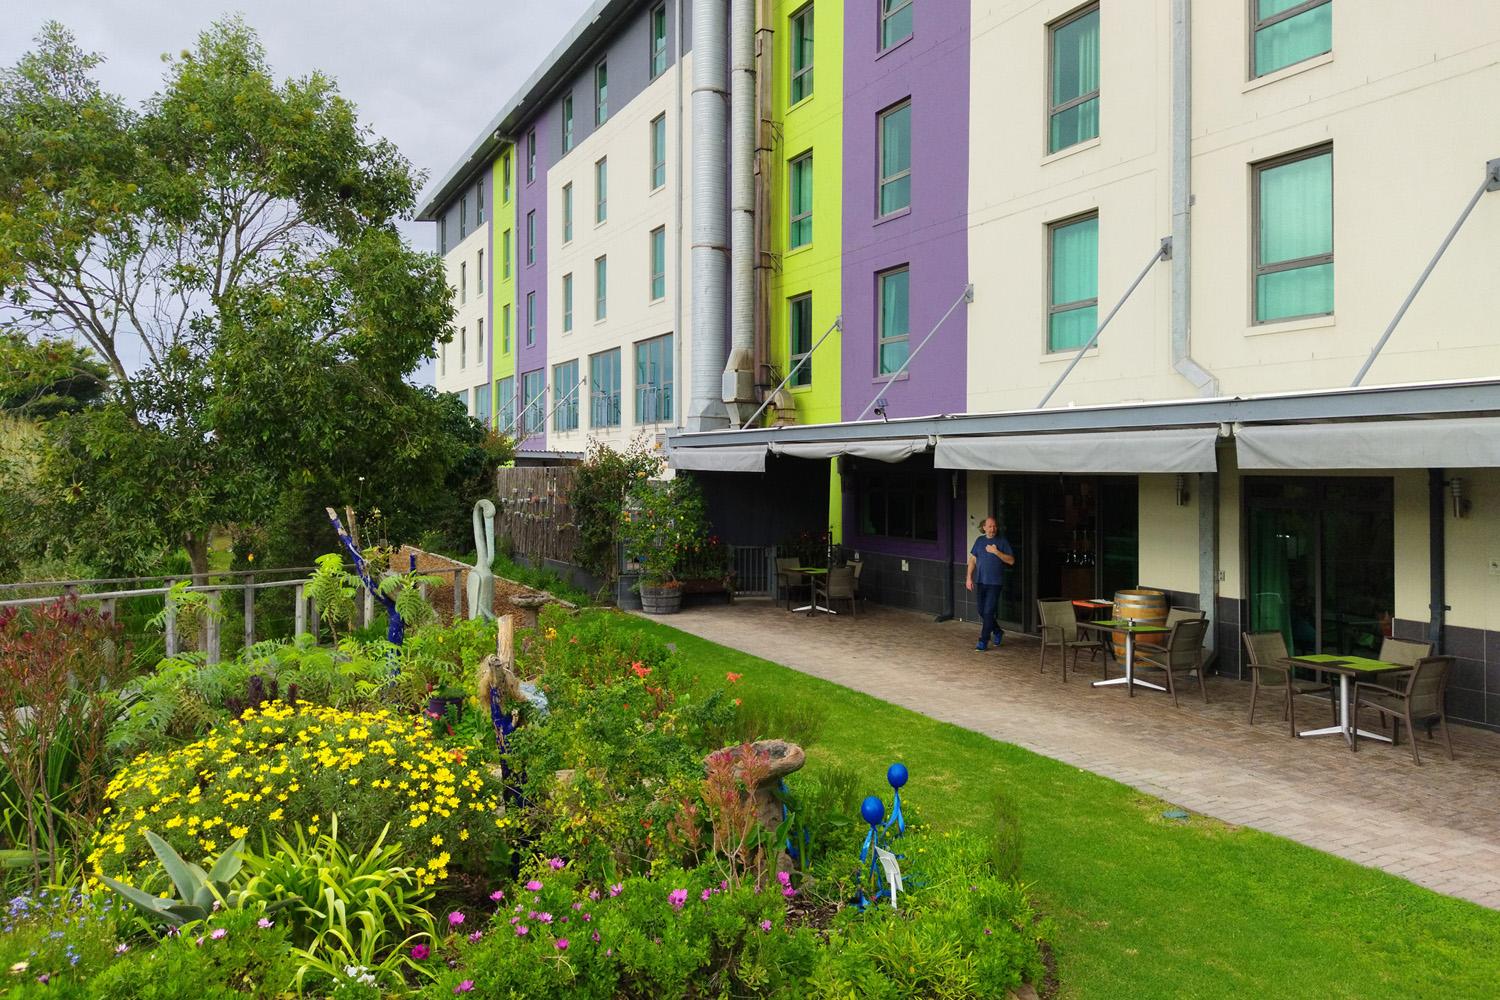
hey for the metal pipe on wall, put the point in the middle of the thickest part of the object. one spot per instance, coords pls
(739, 370)
(682, 192)
(710, 237)
(1182, 203)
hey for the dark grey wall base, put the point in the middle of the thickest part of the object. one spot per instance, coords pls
(918, 587)
(1474, 687)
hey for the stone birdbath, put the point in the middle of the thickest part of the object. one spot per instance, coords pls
(783, 758)
(529, 603)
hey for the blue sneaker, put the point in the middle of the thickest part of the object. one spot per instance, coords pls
(981, 647)
(999, 638)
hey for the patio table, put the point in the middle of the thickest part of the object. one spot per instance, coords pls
(1347, 667)
(1131, 630)
(810, 572)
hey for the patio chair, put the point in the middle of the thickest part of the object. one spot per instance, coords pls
(1183, 654)
(1403, 651)
(1059, 626)
(838, 585)
(1269, 669)
(786, 580)
(1420, 699)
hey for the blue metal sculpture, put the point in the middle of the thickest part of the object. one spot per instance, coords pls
(896, 775)
(395, 631)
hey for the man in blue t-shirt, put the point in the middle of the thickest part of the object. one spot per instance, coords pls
(987, 558)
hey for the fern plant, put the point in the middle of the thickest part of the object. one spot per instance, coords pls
(333, 589)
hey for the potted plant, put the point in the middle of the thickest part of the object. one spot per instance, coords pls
(662, 526)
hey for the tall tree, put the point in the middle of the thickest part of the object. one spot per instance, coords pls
(229, 250)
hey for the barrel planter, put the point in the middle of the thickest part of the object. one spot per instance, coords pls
(1144, 607)
(661, 600)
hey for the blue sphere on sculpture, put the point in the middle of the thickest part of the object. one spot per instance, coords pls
(872, 809)
(896, 775)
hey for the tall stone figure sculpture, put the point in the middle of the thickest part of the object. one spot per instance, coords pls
(481, 583)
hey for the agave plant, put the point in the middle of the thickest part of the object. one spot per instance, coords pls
(197, 890)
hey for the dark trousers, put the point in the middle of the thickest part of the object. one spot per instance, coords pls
(989, 604)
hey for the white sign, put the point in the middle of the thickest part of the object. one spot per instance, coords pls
(892, 872)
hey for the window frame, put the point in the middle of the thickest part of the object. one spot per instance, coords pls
(565, 381)
(479, 203)
(505, 177)
(600, 399)
(658, 239)
(567, 300)
(601, 288)
(479, 339)
(536, 416)
(1257, 24)
(881, 180)
(442, 358)
(658, 166)
(505, 328)
(567, 123)
(463, 282)
(505, 237)
(463, 216)
(793, 216)
(601, 92)
(656, 55)
(1076, 304)
(920, 491)
(804, 378)
(887, 13)
(443, 233)
(664, 388)
(880, 336)
(796, 74)
(505, 403)
(601, 190)
(479, 272)
(1053, 109)
(531, 156)
(531, 319)
(1316, 260)
(531, 238)
(567, 212)
(463, 346)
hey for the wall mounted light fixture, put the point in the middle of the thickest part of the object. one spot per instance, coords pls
(1182, 490)
(1461, 503)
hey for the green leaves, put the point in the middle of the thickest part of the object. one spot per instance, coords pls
(197, 891)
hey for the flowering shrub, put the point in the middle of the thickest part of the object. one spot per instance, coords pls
(277, 767)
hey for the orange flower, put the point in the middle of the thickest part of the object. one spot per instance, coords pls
(641, 670)
(732, 677)
(736, 703)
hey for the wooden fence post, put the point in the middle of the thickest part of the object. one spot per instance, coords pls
(107, 608)
(249, 611)
(458, 595)
(212, 627)
(170, 621)
(369, 606)
(299, 618)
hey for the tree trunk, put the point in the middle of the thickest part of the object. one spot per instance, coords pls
(197, 550)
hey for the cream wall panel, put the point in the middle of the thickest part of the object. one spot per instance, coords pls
(1413, 581)
(1168, 534)
(1472, 542)
(474, 369)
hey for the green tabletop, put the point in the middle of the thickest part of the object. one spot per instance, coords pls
(1359, 664)
(1125, 625)
(809, 570)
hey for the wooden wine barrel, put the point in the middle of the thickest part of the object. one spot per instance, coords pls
(1148, 607)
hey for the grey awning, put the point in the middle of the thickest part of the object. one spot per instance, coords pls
(897, 450)
(1469, 442)
(730, 458)
(1176, 449)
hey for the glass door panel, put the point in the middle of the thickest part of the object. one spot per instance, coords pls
(1008, 501)
(1283, 576)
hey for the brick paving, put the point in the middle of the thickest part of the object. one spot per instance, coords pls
(1437, 824)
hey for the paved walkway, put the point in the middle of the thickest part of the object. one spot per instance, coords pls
(1437, 825)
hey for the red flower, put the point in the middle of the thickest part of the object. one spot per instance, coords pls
(641, 670)
(732, 677)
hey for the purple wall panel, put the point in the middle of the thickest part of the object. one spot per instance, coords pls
(932, 68)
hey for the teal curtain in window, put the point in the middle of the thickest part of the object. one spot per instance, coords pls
(801, 207)
(1270, 583)
(801, 338)
(653, 380)
(1296, 223)
(894, 320)
(505, 404)
(895, 22)
(1300, 37)
(658, 263)
(1075, 279)
(1075, 73)
(604, 383)
(802, 55)
(564, 378)
(658, 152)
(895, 160)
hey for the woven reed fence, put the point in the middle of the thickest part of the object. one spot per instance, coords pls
(532, 513)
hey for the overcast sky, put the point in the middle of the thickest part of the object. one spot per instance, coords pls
(426, 74)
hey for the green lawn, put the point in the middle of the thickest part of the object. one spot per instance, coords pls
(1146, 906)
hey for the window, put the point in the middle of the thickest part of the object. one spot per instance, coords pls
(1288, 31)
(601, 190)
(479, 340)
(658, 263)
(658, 40)
(1074, 107)
(567, 123)
(471, 400)
(443, 234)
(565, 390)
(463, 347)
(895, 158)
(505, 177)
(658, 151)
(531, 156)
(567, 297)
(505, 328)
(505, 254)
(463, 281)
(604, 385)
(897, 505)
(800, 230)
(799, 338)
(653, 380)
(531, 237)
(895, 22)
(443, 358)
(505, 404)
(567, 206)
(802, 55)
(1294, 236)
(533, 408)
(530, 318)
(1073, 305)
(479, 202)
(482, 403)
(601, 277)
(894, 335)
(463, 216)
(479, 271)
(601, 93)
